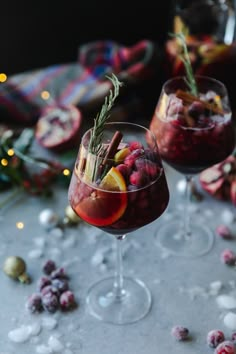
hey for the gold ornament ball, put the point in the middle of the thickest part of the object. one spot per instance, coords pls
(71, 215)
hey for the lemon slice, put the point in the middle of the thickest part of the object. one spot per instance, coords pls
(113, 181)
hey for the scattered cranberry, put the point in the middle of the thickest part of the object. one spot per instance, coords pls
(49, 267)
(60, 284)
(50, 290)
(58, 273)
(50, 302)
(233, 337)
(228, 257)
(215, 337)
(226, 347)
(34, 303)
(67, 300)
(42, 282)
(224, 232)
(180, 333)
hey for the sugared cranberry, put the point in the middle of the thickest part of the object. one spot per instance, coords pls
(228, 257)
(50, 289)
(226, 347)
(58, 273)
(60, 284)
(215, 337)
(67, 300)
(233, 337)
(48, 267)
(50, 302)
(42, 282)
(180, 332)
(224, 232)
(34, 303)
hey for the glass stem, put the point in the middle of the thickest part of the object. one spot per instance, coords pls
(118, 288)
(187, 231)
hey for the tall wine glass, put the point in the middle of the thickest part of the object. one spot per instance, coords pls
(119, 190)
(193, 133)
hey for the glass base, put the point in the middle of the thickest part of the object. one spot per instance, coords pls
(131, 306)
(170, 236)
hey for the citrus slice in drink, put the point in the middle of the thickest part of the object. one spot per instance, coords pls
(107, 204)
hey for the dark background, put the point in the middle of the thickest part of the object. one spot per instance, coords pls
(34, 34)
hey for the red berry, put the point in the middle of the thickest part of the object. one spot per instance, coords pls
(223, 231)
(138, 178)
(215, 337)
(226, 347)
(228, 257)
(135, 145)
(180, 332)
(67, 300)
(49, 266)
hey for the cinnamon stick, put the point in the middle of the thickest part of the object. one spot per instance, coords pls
(189, 98)
(112, 148)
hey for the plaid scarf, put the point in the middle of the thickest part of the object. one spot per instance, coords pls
(82, 83)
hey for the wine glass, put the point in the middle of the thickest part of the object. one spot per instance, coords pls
(116, 190)
(193, 133)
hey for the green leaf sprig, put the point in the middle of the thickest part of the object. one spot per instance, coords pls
(95, 143)
(189, 79)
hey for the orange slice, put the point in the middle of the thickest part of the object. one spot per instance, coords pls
(104, 206)
(113, 181)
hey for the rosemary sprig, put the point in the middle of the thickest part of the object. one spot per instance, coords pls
(95, 143)
(189, 79)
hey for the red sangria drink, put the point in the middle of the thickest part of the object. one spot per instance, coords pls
(119, 189)
(193, 132)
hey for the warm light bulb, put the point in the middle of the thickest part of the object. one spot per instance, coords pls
(4, 162)
(10, 152)
(20, 225)
(3, 77)
(66, 172)
(45, 95)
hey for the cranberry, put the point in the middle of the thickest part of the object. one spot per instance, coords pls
(134, 145)
(215, 337)
(223, 231)
(180, 332)
(233, 337)
(226, 347)
(228, 257)
(34, 303)
(58, 273)
(42, 282)
(138, 178)
(124, 170)
(149, 167)
(50, 289)
(131, 158)
(196, 109)
(48, 267)
(67, 300)
(50, 302)
(60, 284)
